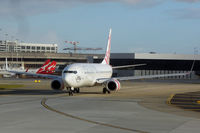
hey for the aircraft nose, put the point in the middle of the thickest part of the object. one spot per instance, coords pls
(69, 79)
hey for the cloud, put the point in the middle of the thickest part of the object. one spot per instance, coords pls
(189, 12)
(20, 10)
(186, 13)
(188, 1)
(23, 8)
(34, 7)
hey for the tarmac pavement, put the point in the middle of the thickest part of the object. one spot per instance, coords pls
(140, 107)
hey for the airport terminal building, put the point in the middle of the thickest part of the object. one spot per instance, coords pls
(15, 46)
(155, 63)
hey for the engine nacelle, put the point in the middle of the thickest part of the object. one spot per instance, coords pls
(57, 84)
(113, 85)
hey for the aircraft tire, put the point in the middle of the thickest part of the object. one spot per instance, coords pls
(70, 93)
(78, 90)
(104, 90)
(75, 90)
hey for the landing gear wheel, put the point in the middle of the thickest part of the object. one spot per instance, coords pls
(70, 93)
(104, 90)
(71, 90)
(78, 90)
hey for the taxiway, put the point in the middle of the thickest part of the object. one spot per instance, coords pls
(140, 106)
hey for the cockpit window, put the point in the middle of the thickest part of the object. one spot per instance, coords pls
(75, 72)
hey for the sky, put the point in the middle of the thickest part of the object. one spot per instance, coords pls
(141, 26)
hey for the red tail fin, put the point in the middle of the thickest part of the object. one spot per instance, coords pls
(51, 67)
(46, 62)
(41, 69)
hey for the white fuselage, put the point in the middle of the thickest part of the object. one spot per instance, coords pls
(4, 71)
(85, 74)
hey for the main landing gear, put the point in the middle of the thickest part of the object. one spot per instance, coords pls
(76, 90)
(73, 90)
(71, 93)
(105, 90)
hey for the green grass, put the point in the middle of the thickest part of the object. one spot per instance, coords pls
(8, 86)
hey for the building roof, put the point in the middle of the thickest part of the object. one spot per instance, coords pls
(154, 56)
(166, 56)
(38, 44)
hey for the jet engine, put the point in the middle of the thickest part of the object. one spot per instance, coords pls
(57, 84)
(113, 85)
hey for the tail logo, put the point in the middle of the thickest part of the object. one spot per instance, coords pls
(107, 56)
(47, 68)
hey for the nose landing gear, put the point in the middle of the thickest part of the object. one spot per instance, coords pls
(73, 90)
(71, 93)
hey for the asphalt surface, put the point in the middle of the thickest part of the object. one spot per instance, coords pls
(140, 107)
(187, 101)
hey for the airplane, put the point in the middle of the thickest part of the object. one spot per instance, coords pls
(41, 69)
(77, 75)
(47, 68)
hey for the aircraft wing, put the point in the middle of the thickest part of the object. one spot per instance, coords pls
(36, 75)
(102, 80)
(151, 76)
(126, 66)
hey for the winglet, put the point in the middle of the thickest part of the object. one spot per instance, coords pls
(107, 55)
